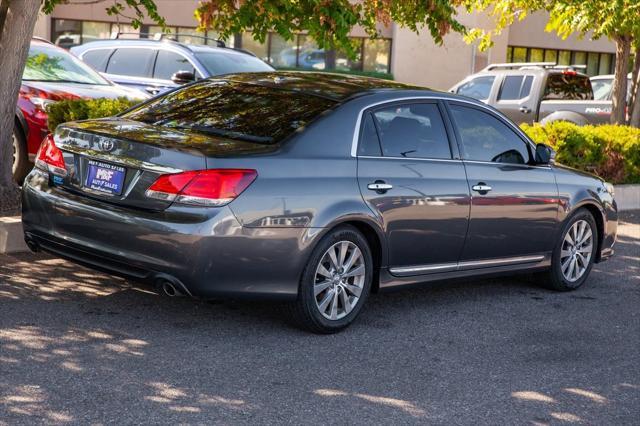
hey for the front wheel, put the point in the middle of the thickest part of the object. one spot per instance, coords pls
(335, 283)
(574, 254)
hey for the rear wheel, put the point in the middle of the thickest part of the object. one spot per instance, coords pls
(574, 254)
(335, 283)
(20, 155)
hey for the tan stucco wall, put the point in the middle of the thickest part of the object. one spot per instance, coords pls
(530, 33)
(416, 59)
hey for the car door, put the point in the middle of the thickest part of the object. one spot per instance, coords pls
(514, 203)
(515, 98)
(410, 177)
(131, 67)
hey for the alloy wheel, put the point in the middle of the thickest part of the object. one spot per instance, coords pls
(14, 141)
(339, 280)
(577, 248)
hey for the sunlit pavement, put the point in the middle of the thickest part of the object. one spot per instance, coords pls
(78, 346)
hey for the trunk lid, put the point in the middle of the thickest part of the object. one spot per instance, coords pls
(117, 160)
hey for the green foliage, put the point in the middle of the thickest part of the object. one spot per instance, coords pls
(328, 22)
(610, 151)
(82, 109)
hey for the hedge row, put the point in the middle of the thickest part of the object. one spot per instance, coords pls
(83, 109)
(609, 151)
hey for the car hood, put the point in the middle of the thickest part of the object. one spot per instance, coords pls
(86, 90)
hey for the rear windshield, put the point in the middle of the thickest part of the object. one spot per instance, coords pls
(568, 86)
(234, 110)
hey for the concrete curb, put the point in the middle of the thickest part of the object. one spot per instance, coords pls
(12, 239)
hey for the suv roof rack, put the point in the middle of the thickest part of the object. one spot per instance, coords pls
(168, 37)
(518, 65)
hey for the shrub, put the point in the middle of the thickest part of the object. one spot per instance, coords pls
(82, 109)
(374, 74)
(610, 151)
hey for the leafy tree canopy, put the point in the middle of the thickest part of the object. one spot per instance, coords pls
(328, 22)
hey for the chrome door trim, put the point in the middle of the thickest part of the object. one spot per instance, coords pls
(466, 265)
(498, 262)
(417, 270)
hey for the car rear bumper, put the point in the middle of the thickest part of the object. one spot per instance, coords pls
(204, 252)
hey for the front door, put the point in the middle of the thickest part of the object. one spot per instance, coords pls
(514, 203)
(408, 177)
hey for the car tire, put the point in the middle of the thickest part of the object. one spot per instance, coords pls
(21, 164)
(571, 263)
(334, 288)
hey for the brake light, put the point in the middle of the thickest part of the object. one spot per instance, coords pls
(215, 187)
(569, 72)
(50, 157)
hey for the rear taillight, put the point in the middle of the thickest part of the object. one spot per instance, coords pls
(50, 158)
(215, 187)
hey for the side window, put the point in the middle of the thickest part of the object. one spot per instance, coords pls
(169, 63)
(97, 58)
(515, 87)
(369, 143)
(131, 62)
(485, 138)
(477, 88)
(414, 130)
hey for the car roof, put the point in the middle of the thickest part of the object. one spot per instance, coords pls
(153, 43)
(333, 86)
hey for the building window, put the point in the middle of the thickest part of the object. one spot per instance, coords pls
(303, 52)
(591, 63)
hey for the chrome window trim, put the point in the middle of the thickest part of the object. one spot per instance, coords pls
(446, 160)
(466, 265)
(356, 133)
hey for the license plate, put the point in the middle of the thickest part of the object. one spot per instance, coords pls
(104, 177)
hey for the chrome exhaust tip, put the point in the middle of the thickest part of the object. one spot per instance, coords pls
(32, 245)
(168, 289)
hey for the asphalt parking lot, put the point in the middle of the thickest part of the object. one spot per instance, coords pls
(83, 347)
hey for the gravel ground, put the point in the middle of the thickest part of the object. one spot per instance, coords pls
(77, 346)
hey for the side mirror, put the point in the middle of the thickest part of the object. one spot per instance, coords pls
(183, 77)
(545, 154)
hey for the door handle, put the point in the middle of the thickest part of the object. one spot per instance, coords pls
(152, 90)
(481, 187)
(379, 186)
(525, 110)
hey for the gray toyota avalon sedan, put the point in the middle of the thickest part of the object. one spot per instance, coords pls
(312, 188)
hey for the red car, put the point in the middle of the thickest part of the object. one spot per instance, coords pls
(52, 74)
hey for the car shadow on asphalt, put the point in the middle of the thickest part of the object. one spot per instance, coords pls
(484, 347)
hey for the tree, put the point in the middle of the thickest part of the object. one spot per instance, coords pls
(328, 22)
(619, 20)
(17, 20)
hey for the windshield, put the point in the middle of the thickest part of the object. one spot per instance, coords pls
(601, 89)
(49, 63)
(477, 88)
(218, 63)
(233, 110)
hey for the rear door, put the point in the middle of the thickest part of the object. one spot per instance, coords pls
(411, 177)
(515, 98)
(514, 203)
